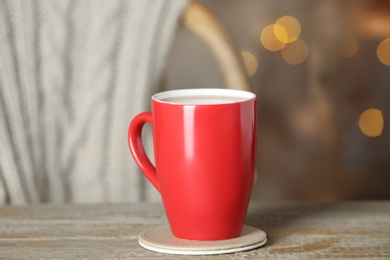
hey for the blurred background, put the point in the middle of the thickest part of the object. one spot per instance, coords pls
(74, 73)
(322, 76)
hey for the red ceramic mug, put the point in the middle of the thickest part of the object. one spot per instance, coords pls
(204, 148)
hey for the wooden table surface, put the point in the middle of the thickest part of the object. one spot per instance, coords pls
(295, 231)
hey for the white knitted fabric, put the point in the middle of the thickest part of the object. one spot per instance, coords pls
(72, 76)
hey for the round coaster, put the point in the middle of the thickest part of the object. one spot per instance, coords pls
(160, 239)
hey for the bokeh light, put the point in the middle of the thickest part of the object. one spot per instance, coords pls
(371, 122)
(250, 61)
(349, 46)
(291, 26)
(270, 36)
(296, 52)
(383, 52)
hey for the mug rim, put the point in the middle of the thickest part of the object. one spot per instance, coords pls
(242, 95)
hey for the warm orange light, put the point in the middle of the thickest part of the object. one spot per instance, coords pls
(371, 122)
(349, 46)
(383, 52)
(250, 61)
(291, 26)
(273, 37)
(296, 52)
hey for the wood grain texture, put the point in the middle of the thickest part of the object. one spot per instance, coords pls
(295, 231)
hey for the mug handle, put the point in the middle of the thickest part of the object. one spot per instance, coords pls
(137, 149)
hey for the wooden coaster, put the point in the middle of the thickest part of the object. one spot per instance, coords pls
(160, 239)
